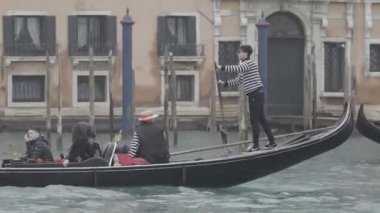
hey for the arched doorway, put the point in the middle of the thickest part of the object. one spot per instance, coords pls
(286, 46)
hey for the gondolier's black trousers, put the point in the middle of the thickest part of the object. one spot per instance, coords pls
(257, 117)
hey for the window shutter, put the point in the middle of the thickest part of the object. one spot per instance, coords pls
(191, 35)
(49, 34)
(73, 35)
(161, 35)
(111, 31)
(8, 35)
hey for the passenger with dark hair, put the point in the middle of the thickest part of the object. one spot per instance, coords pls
(83, 144)
(248, 75)
(37, 147)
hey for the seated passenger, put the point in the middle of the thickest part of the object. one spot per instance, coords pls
(37, 147)
(83, 143)
(149, 143)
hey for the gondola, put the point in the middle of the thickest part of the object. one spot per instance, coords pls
(223, 171)
(367, 128)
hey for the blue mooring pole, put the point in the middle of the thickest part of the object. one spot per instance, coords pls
(262, 27)
(127, 124)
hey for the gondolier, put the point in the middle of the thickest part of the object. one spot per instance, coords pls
(149, 144)
(248, 75)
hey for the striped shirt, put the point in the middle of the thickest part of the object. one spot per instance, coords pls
(134, 147)
(248, 74)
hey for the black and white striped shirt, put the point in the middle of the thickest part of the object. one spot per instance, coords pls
(248, 73)
(134, 147)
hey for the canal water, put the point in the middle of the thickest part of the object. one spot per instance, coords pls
(346, 179)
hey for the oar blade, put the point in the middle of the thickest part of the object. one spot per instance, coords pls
(223, 134)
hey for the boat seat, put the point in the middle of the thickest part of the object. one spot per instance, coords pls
(98, 150)
(91, 162)
(109, 152)
(33, 165)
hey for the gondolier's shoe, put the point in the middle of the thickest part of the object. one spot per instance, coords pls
(253, 149)
(270, 145)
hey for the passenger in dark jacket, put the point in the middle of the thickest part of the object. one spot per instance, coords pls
(37, 147)
(83, 143)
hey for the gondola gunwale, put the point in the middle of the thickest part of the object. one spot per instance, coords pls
(194, 163)
(366, 127)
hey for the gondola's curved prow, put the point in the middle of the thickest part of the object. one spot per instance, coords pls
(237, 170)
(367, 128)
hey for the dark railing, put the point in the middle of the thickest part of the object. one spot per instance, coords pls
(99, 49)
(183, 50)
(28, 49)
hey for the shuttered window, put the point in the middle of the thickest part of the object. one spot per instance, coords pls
(334, 66)
(83, 91)
(28, 88)
(98, 32)
(374, 58)
(228, 56)
(29, 35)
(178, 33)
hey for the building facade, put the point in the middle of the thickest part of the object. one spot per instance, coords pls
(67, 29)
(314, 46)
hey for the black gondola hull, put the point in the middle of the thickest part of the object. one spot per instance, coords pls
(221, 172)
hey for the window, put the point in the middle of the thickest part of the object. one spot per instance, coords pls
(185, 88)
(374, 58)
(334, 66)
(28, 88)
(83, 89)
(179, 33)
(98, 32)
(228, 56)
(29, 35)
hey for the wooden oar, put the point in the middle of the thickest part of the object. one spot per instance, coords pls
(249, 141)
(223, 132)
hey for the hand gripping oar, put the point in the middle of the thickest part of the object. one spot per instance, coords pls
(223, 132)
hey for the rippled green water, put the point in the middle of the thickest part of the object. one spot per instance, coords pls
(343, 180)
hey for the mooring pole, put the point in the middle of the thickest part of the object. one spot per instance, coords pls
(166, 93)
(110, 82)
(59, 94)
(128, 88)
(92, 86)
(262, 27)
(173, 94)
(47, 96)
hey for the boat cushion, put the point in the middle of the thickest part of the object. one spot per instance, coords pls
(125, 160)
